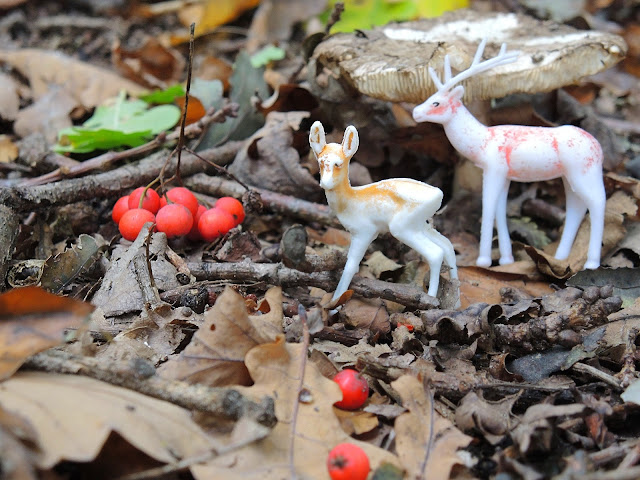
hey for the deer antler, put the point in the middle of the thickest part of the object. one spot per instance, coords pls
(476, 66)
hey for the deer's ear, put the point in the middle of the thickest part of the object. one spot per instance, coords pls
(457, 92)
(350, 141)
(316, 138)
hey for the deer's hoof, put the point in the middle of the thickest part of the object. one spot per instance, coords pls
(506, 260)
(591, 264)
(483, 261)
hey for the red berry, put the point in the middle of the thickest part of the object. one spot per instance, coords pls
(121, 206)
(355, 389)
(348, 462)
(194, 234)
(214, 223)
(132, 222)
(233, 206)
(151, 200)
(174, 219)
(183, 196)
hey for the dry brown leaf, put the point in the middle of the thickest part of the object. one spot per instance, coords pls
(483, 285)
(356, 422)
(309, 424)
(88, 84)
(18, 446)
(493, 419)
(152, 64)
(368, 313)
(47, 115)
(8, 149)
(9, 99)
(426, 442)
(74, 415)
(217, 351)
(33, 320)
(214, 68)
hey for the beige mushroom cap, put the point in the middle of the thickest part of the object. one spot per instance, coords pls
(391, 62)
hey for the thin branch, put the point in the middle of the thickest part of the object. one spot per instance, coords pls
(277, 274)
(106, 159)
(223, 402)
(302, 314)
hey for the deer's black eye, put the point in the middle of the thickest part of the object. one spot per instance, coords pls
(436, 104)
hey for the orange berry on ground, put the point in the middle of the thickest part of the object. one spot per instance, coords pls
(355, 389)
(233, 206)
(183, 196)
(348, 462)
(214, 223)
(132, 222)
(151, 200)
(174, 219)
(121, 206)
(194, 234)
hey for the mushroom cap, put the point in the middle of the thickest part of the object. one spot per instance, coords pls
(391, 62)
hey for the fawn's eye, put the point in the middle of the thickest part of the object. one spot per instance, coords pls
(436, 104)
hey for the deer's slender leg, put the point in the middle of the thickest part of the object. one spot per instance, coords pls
(444, 243)
(491, 183)
(421, 243)
(359, 244)
(591, 191)
(576, 208)
(504, 241)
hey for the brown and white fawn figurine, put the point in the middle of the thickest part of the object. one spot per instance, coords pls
(401, 206)
(523, 154)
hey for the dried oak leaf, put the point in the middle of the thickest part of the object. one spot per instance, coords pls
(307, 428)
(152, 64)
(492, 419)
(427, 443)
(270, 160)
(18, 442)
(88, 84)
(32, 320)
(216, 354)
(74, 415)
(535, 431)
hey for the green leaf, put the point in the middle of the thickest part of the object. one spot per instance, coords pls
(267, 54)
(168, 95)
(124, 123)
(245, 82)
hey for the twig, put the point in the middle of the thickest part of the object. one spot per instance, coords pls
(102, 161)
(226, 403)
(8, 234)
(302, 314)
(276, 202)
(599, 374)
(192, 30)
(109, 184)
(278, 274)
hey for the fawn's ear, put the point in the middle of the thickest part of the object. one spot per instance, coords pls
(316, 138)
(350, 141)
(457, 92)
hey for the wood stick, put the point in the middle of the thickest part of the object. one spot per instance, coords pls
(226, 403)
(278, 274)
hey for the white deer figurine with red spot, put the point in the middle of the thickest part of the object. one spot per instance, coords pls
(401, 206)
(523, 154)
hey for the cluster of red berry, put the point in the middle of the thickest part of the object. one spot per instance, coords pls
(177, 213)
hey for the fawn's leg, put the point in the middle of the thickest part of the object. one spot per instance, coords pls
(444, 243)
(576, 208)
(357, 249)
(504, 241)
(420, 242)
(491, 188)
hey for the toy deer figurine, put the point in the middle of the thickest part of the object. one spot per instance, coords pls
(523, 154)
(400, 206)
